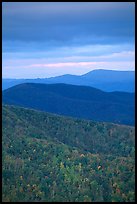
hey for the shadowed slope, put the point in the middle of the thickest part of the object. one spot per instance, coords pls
(76, 101)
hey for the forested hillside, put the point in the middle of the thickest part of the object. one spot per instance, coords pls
(76, 101)
(47, 157)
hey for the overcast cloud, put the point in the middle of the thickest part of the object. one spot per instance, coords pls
(95, 34)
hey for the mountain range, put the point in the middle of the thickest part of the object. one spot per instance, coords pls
(106, 80)
(75, 101)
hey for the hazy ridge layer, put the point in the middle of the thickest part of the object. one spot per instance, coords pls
(106, 80)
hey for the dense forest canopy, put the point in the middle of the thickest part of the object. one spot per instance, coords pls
(72, 160)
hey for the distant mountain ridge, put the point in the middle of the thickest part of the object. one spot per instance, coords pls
(106, 80)
(76, 101)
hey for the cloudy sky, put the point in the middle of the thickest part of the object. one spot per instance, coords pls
(49, 39)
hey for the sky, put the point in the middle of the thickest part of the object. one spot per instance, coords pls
(46, 39)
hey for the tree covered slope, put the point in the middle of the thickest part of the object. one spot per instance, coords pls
(47, 157)
(76, 101)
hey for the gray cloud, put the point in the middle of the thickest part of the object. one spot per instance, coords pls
(49, 39)
(67, 23)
